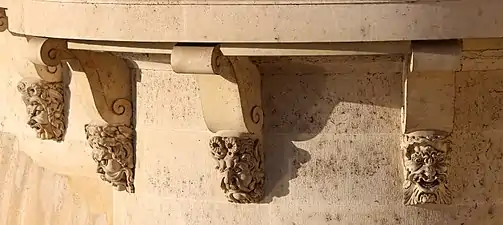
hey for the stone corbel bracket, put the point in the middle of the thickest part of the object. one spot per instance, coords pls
(42, 89)
(427, 120)
(110, 132)
(230, 93)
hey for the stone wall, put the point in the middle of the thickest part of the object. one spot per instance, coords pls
(332, 136)
(332, 148)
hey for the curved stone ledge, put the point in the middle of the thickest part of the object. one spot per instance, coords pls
(259, 23)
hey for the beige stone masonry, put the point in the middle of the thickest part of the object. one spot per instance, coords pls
(314, 87)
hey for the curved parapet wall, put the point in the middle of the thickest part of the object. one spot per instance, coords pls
(225, 21)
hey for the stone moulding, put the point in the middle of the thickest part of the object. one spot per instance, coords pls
(230, 93)
(45, 107)
(240, 161)
(426, 162)
(113, 152)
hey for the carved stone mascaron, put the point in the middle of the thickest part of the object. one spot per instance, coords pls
(240, 160)
(113, 151)
(45, 107)
(426, 161)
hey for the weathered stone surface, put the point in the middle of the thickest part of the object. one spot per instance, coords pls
(331, 151)
(173, 96)
(337, 94)
(321, 157)
(164, 172)
(32, 195)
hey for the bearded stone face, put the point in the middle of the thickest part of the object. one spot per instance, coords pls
(38, 116)
(425, 161)
(44, 104)
(113, 153)
(240, 162)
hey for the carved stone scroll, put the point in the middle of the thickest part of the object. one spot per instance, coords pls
(230, 92)
(427, 120)
(240, 160)
(113, 152)
(425, 155)
(45, 107)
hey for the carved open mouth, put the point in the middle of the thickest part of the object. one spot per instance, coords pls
(428, 184)
(33, 124)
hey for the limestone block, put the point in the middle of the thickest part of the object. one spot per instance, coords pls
(201, 213)
(145, 208)
(483, 60)
(479, 100)
(471, 44)
(475, 167)
(171, 171)
(343, 94)
(142, 208)
(333, 169)
(71, 157)
(32, 195)
(168, 100)
(482, 54)
(380, 215)
(430, 99)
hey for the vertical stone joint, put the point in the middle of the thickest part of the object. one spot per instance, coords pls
(45, 107)
(240, 160)
(113, 152)
(426, 161)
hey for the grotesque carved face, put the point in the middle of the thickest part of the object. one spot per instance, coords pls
(113, 152)
(44, 105)
(425, 162)
(240, 162)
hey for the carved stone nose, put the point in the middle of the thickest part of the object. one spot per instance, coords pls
(429, 171)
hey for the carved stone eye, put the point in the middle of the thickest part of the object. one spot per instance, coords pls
(416, 158)
(215, 145)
